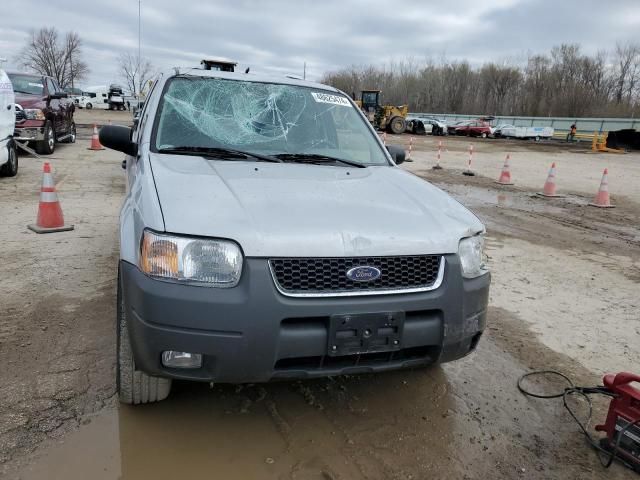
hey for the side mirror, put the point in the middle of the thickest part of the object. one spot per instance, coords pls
(397, 153)
(118, 138)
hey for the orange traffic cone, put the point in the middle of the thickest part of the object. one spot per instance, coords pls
(95, 141)
(550, 185)
(437, 165)
(505, 176)
(468, 172)
(602, 197)
(50, 217)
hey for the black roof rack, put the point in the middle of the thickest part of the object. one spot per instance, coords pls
(222, 65)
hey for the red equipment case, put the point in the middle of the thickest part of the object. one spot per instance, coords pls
(624, 410)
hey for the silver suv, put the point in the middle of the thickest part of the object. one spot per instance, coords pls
(267, 233)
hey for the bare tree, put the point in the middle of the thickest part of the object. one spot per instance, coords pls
(47, 55)
(627, 71)
(135, 71)
(77, 68)
(563, 82)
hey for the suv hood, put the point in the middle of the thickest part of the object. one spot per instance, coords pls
(30, 101)
(287, 209)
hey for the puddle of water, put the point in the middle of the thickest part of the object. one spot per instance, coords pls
(176, 439)
(309, 430)
(472, 197)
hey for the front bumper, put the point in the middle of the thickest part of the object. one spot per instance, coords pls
(252, 333)
(30, 130)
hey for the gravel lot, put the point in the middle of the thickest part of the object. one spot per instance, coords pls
(564, 296)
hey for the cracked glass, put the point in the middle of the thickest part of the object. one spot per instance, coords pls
(264, 118)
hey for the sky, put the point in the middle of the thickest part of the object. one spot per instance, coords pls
(278, 36)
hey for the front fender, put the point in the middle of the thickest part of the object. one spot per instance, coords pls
(140, 209)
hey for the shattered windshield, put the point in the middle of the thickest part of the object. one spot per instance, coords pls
(263, 118)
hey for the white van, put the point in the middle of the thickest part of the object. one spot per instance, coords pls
(8, 152)
(94, 97)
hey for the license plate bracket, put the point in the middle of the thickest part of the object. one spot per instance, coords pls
(351, 334)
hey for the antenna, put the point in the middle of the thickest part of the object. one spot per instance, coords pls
(139, 28)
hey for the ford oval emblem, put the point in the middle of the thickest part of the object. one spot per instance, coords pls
(363, 274)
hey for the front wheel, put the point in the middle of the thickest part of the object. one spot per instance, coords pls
(89, 106)
(10, 169)
(72, 134)
(397, 125)
(483, 135)
(48, 144)
(134, 387)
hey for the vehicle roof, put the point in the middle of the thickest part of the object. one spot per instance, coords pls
(28, 74)
(249, 77)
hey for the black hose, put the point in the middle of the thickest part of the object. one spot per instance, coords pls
(584, 392)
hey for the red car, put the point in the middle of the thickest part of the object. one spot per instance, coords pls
(475, 128)
(44, 114)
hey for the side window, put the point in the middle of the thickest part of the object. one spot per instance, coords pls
(145, 109)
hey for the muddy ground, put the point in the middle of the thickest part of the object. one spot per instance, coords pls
(564, 296)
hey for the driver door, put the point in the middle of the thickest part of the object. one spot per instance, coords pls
(53, 106)
(65, 112)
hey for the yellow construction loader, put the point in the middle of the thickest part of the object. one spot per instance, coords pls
(383, 117)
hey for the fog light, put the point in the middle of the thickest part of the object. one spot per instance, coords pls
(173, 359)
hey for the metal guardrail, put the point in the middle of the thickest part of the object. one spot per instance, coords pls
(586, 126)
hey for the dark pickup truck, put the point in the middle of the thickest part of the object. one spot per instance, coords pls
(44, 114)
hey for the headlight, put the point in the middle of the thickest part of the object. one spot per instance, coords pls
(471, 252)
(214, 263)
(34, 114)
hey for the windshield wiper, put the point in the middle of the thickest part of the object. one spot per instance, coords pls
(316, 158)
(219, 153)
(22, 91)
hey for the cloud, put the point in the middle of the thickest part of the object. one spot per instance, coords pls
(279, 36)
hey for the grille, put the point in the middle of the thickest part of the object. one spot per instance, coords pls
(329, 275)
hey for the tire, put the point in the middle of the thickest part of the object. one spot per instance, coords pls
(134, 387)
(483, 135)
(88, 106)
(72, 138)
(10, 169)
(537, 139)
(48, 145)
(397, 125)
